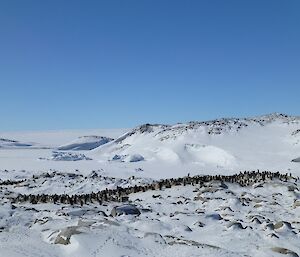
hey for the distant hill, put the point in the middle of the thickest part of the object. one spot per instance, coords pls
(85, 143)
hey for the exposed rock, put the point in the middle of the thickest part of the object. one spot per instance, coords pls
(269, 226)
(214, 216)
(296, 204)
(256, 220)
(180, 241)
(281, 224)
(65, 235)
(292, 188)
(187, 228)
(155, 237)
(235, 224)
(199, 197)
(273, 235)
(225, 208)
(199, 224)
(284, 251)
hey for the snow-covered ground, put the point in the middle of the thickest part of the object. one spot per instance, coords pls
(214, 219)
(180, 221)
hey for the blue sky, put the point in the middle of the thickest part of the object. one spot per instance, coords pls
(110, 64)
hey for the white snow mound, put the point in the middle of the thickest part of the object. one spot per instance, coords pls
(209, 154)
(128, 158)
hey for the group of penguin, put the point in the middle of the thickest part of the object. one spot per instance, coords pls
(120, 194)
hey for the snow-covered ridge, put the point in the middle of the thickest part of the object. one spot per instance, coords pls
(85, 143)
(213, 127)
(219, 143)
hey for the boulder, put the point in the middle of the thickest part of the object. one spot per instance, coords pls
(214, 216)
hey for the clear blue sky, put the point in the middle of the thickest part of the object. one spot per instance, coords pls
(109, 64)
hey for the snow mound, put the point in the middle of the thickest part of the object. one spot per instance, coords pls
(134, 158)
(209, 154)
(128, 158)
(167, 154)
(85, 143)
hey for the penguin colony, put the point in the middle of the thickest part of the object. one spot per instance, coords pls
(120, 194)
(11, 182)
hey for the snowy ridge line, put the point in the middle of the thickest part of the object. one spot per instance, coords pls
(120, 194)
(214, 127)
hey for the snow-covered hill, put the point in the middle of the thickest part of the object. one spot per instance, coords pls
(269, 141)
(13, 144)
(85, 143)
